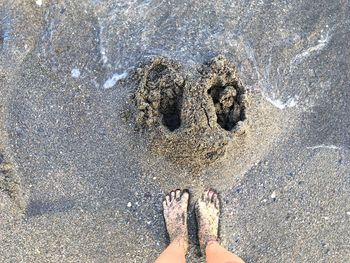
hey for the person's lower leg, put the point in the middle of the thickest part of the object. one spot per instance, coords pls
(215, 253)
(174, 253)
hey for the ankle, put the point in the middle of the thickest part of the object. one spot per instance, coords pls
(211, 242)
(181, 242)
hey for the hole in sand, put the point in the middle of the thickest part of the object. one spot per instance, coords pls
(228, 109)
(156, 72)
(170, 107)
(159, 99)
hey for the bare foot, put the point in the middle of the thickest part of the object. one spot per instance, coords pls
(207, 213)
(175, 213)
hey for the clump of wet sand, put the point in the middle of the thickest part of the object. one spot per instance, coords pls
(190, 117)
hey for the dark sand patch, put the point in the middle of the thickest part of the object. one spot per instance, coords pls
(10, 182)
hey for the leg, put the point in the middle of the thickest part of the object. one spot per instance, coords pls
(215, 253)
(174, 253)
(208, 212)
(175, 214)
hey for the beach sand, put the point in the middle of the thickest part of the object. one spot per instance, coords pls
(81, 182)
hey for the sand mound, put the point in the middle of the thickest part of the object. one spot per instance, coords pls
(191, 117)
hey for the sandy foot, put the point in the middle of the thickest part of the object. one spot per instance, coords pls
(175, 208)
(207, 213)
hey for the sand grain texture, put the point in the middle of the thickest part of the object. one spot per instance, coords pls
(91, 186)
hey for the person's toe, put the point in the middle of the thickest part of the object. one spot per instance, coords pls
(205, 197)
(178, 194)
(185, 195)
(210, 195)
(172, 196)
(167, 199)
(184, 199)
(216, 201)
